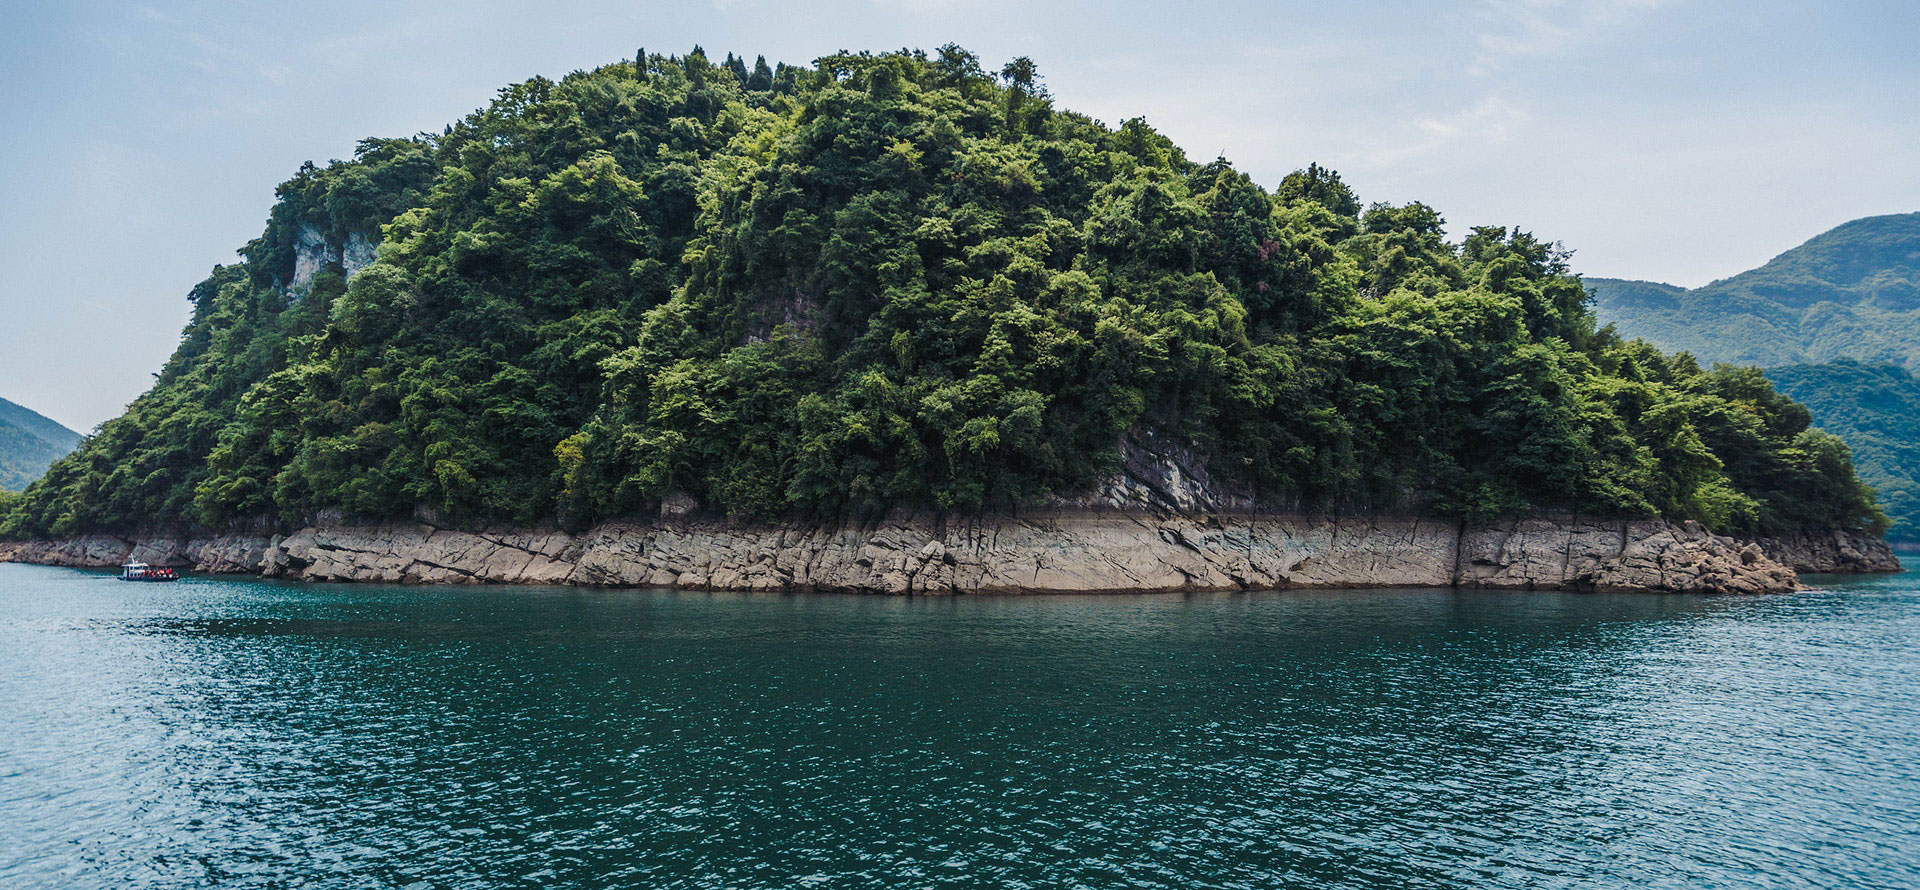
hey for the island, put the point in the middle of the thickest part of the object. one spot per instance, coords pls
(896, 323)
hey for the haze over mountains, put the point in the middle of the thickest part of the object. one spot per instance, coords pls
(1853, 292)
(29, 442)
(1836, 323)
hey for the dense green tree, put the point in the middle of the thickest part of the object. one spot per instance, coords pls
(1877, 408)
(889, 280)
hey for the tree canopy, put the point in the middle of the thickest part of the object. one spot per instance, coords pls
(1877, 409)
(896, 279)
(1849, 293)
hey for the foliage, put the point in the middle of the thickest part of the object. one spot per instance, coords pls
(29, 443)
(1837, 321)
(897, 279)
(1853, 292)
(1876, 408)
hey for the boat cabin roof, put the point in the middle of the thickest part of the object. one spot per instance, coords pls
(134, 565)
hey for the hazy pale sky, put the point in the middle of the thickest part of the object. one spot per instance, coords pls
(1679, 140)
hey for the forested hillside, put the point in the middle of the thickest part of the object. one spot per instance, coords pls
(29, 443)
(1853, 292)
(1837, 323)
(1876, 408)
(894, 279)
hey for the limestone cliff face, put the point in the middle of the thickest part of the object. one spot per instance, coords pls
(312, 253)
(1837, 551)
(1067, 550)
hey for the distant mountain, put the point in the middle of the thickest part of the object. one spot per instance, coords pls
(1836, 323)
(29, 442)
(1876, 408)
(1853, 292)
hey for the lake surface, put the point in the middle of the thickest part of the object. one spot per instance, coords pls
(240, 733)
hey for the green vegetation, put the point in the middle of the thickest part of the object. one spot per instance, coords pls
(897, 280)
(1853, 292)
(1876, 408)
(1837, 321)
(28, 444)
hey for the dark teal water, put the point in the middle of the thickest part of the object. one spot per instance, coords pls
(224, 733)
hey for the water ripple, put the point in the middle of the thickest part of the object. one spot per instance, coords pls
(217, 733)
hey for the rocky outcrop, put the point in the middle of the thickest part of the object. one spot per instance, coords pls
(1161, 524)
(313, 253)
(1064, 550)
(357, 253)
(1157, 475)
(1839, 551)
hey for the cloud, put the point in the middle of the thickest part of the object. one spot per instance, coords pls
(919, 5)
(1488, 122)
(1492, 119)
(1518, 29)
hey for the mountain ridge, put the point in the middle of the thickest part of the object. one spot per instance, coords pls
(1834, 321)
(1852, 291)
(29, 443)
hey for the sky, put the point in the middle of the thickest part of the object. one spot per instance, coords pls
(1672, 140)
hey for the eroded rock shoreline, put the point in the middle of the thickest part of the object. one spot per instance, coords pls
(1070, 551)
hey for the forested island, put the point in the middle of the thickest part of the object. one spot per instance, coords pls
(1836, 324)
(798, 296)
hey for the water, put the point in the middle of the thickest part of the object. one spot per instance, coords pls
(229, 733)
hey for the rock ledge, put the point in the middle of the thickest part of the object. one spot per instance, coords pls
(1062, 551)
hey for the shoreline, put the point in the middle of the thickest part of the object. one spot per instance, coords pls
(1057, 551)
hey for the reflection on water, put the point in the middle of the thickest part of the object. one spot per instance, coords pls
(244, 733)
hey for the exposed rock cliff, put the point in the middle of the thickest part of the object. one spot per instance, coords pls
(1838, 551)
(1060, 551)
(1157, 475)
(312, 253)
